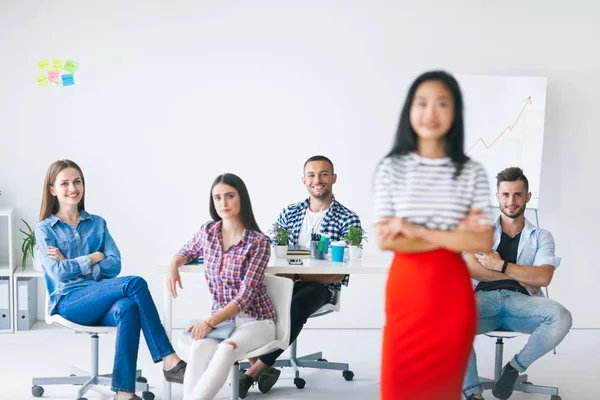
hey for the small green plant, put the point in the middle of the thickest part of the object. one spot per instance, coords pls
(280, 236)
(355, 236)
(28, 246)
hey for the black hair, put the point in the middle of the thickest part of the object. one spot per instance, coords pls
(406, 140)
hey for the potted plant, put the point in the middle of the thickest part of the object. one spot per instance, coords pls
(355, 238)
(281, 239)
(30, 248)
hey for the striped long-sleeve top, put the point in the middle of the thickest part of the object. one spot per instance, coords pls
(425, 191)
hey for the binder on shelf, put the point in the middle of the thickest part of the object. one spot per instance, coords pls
(4, 303)
(26, 303)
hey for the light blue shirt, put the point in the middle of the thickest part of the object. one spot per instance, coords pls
(536, 247)
(76, 271)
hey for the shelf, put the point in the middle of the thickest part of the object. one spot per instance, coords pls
(4, 270)
(6, 211)
(40, 325)
(28, 273)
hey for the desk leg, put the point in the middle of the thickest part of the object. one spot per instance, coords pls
(168, 322)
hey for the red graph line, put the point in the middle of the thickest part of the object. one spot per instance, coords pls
(507, 129)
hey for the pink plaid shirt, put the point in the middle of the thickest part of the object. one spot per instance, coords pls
(238, 273)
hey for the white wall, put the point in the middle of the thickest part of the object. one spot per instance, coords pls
(170, 94)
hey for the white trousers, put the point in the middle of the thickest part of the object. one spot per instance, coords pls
(210, 360)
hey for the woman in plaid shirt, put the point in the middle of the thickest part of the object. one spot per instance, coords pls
(235, 254)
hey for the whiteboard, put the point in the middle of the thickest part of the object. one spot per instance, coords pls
(504, 125)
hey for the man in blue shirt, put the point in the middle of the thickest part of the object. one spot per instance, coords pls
(321, 214)
(510, 278)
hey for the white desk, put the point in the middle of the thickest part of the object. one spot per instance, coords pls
(367, 265)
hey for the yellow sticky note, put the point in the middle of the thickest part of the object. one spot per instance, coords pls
(42, 81)
(43, 65)
(57, 64)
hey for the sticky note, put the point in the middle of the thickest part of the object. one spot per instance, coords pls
(53, 76)
(57, 64)
(42, 81)
(67, 80)
(70, 66)
(43, 65)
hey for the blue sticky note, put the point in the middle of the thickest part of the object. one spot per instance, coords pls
(67, 80)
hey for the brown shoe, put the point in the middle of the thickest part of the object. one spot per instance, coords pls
(175, 374)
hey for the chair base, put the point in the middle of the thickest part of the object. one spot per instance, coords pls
(314, 360)
(87, 379)
(522, 384)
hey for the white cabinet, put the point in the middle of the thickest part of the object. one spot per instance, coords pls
(7, 267)
(10, 272)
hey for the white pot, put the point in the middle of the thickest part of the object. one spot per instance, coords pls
(355, 252)
(37, 261)
(281, 251)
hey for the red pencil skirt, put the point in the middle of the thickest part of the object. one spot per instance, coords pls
(429, 329)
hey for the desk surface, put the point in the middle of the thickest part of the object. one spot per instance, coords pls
(369, 264)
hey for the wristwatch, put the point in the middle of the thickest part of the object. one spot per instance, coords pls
(297, 278)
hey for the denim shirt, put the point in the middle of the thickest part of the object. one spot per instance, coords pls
(76, 270)
(536, 247)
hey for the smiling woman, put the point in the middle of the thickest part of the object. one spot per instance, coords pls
(81, 262)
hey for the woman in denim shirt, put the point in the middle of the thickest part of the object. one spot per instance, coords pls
(236, 254)
(81, 262)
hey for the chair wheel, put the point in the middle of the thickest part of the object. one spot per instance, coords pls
(141, 379)
(37, 391)
(300, 383)
(322, 359)
(147, 395)
(555, 397)
(348, 375)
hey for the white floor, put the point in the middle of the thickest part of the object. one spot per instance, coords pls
(50, 352)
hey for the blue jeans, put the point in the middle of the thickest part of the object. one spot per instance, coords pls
(547, 321)
(124, 302)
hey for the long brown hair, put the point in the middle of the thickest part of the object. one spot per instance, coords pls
(246, 214)
(49, 202)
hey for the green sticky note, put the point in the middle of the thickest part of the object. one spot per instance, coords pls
(42, 81)
(70, 66)
(43, 65)
(57, 64)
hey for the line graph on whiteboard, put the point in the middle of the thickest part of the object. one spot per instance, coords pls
(504, 125)
(507, 129)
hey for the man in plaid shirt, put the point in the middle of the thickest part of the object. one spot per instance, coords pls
(321, 213)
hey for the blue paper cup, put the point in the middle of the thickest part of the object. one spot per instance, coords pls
(337, 253)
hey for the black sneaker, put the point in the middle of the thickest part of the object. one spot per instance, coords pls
(245, 383)
(267, 379)
(504, 387)
(175, 374)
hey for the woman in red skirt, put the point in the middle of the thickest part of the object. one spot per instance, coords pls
(431, 203)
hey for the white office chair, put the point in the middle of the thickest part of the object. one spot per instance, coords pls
(280, 291)
(314, 360)
(79, 376)
(522, 384)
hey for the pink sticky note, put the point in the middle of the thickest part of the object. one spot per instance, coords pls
(53, 76)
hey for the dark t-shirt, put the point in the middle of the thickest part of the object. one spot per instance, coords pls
(507, 249)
